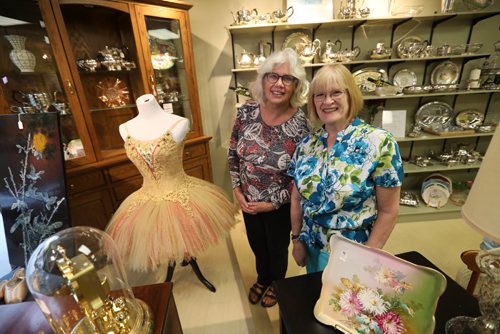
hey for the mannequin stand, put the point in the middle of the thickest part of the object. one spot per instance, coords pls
(196, 270)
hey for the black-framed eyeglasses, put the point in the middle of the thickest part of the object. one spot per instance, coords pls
(273, 78)
(334, 95)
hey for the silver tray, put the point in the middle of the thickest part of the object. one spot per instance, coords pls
(445, 73)
(404, 78)
(434, 114)
(469, 119)
(361, 78)
(296, 41)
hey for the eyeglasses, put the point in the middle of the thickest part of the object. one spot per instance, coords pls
(334, 95)
(273, 78)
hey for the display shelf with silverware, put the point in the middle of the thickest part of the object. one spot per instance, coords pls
(431, 68)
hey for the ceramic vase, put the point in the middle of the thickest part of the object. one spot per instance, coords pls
(22, 58)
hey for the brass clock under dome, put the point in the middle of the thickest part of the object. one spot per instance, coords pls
(78, 281)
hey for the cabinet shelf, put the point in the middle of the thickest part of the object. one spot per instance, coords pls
(125, 106)
(106, 72)
(382, 61)
(435, 137)
(404, 96)
(437, 166)
(270, 27)
(423, 212)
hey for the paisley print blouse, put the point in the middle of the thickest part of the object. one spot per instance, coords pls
(259, 154)
(338, 187)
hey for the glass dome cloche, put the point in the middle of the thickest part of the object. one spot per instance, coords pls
(78, 281)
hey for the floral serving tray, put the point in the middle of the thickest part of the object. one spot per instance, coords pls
(367, 290)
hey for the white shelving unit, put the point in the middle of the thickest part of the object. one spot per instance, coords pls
(438, 29)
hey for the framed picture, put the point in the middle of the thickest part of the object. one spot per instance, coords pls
(32, 189)
(309, 10)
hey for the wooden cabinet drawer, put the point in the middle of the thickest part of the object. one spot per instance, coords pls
(198, 168)
(85, 181)
(194, 151)
(126, 187)
(91, 209)
(122, 172)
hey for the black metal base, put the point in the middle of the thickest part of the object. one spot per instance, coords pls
(196, 269)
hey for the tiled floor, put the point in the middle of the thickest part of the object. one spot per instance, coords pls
(230, 268)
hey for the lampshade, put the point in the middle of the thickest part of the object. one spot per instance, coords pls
(482, 207)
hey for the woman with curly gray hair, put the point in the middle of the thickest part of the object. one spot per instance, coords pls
(263, 139)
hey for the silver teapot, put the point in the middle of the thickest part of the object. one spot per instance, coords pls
(282, 16)
(348, 55)
(246, 59)
(244, 16)
(308, 51)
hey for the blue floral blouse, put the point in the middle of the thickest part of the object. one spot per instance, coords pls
(338, 187)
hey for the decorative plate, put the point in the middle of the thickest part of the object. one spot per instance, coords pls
(113, 92)
(361, 78)
(163, 54)
(444, 73)
(296, 41)
(469, 119)
(433, 114)
(404, 78)
(367, 290)
(402, 49)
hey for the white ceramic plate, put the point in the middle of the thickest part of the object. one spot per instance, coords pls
(404, 78)
(444, 73)
(361, 78)
(433, 114)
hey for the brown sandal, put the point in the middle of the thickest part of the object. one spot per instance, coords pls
(269, 298)
(256, 292)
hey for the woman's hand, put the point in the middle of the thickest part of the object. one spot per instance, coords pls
(251, 208)
(259, 207)
(299, 253)
(241, 200)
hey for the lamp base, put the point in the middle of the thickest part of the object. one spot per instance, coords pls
(468, 325)
(488, 262)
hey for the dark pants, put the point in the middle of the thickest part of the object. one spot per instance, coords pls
(269, 236)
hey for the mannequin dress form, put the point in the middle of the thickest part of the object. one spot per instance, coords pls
(173, 216)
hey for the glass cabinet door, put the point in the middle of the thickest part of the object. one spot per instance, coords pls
(169, 61)
(103, 52)
(31, 80)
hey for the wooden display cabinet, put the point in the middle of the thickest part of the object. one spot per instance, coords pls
(93, 59)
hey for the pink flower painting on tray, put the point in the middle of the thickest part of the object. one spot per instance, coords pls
(370, 291)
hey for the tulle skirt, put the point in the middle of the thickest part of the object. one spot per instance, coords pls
(152, 230)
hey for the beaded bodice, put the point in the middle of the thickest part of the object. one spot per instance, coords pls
(159, 161)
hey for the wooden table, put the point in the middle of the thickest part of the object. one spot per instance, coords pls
(298, 295)
(27, 318)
